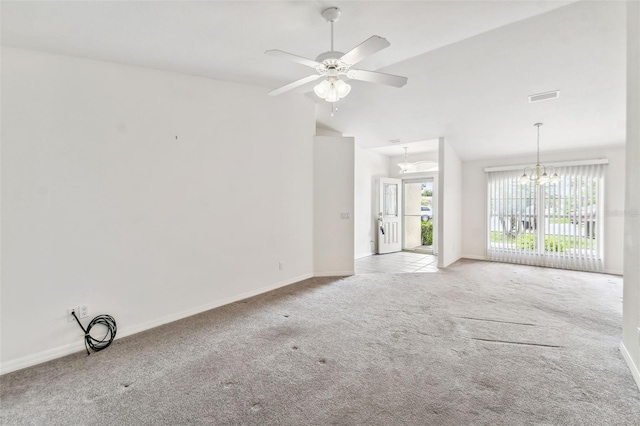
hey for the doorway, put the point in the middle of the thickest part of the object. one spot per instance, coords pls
(419, 216)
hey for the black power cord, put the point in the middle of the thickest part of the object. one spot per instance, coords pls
(93, 343)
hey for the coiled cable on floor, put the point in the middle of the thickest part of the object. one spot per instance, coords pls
(93, 343)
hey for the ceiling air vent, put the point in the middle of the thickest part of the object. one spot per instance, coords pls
(394, 140)
(544, 96)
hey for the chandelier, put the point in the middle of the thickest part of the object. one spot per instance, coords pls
(418, 166)
(538, 174)
(404, 167)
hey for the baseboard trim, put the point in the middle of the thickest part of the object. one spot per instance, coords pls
(632, 366)
(334, 274)
(473, 257)
(203, 308)
(40, 357)
(360, 256)
(614, 272)
(51, 354)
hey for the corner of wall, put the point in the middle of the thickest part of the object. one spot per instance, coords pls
(449, 204)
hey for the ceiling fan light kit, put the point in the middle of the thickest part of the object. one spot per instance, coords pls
(332, 90)
(333, 64)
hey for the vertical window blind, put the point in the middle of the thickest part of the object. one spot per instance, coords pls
(555, 225)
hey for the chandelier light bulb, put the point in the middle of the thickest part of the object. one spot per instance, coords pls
(524, 179)
(544, 178)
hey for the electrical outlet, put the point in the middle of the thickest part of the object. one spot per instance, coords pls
(70, 317)
(281, 266)
(84, 311)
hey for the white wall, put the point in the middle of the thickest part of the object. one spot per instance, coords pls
(333, 197)
(449, 205)
(474, 196)
(630, 347)
(369, 166)
(143, 194)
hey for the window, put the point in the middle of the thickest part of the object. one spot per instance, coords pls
(556, 225)
(390, 199)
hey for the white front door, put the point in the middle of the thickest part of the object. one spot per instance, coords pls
(389, 219)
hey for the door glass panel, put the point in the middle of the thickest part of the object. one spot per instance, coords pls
(412, 224)
(418, 216)
(390, 199)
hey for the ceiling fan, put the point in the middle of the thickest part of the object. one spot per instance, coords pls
(331, 65)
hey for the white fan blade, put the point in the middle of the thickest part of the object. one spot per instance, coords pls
(295, 84)
(292, 57)
(377, 77)
(368, 47)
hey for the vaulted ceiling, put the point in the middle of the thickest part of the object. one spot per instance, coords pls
(470, 64)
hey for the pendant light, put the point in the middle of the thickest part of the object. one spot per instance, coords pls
(404, 167)
(538, 173)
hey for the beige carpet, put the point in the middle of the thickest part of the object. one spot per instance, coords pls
(479, 343)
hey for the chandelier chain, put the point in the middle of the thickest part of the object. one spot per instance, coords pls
(538, 144)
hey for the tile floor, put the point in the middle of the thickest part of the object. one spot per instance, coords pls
(394, 263)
